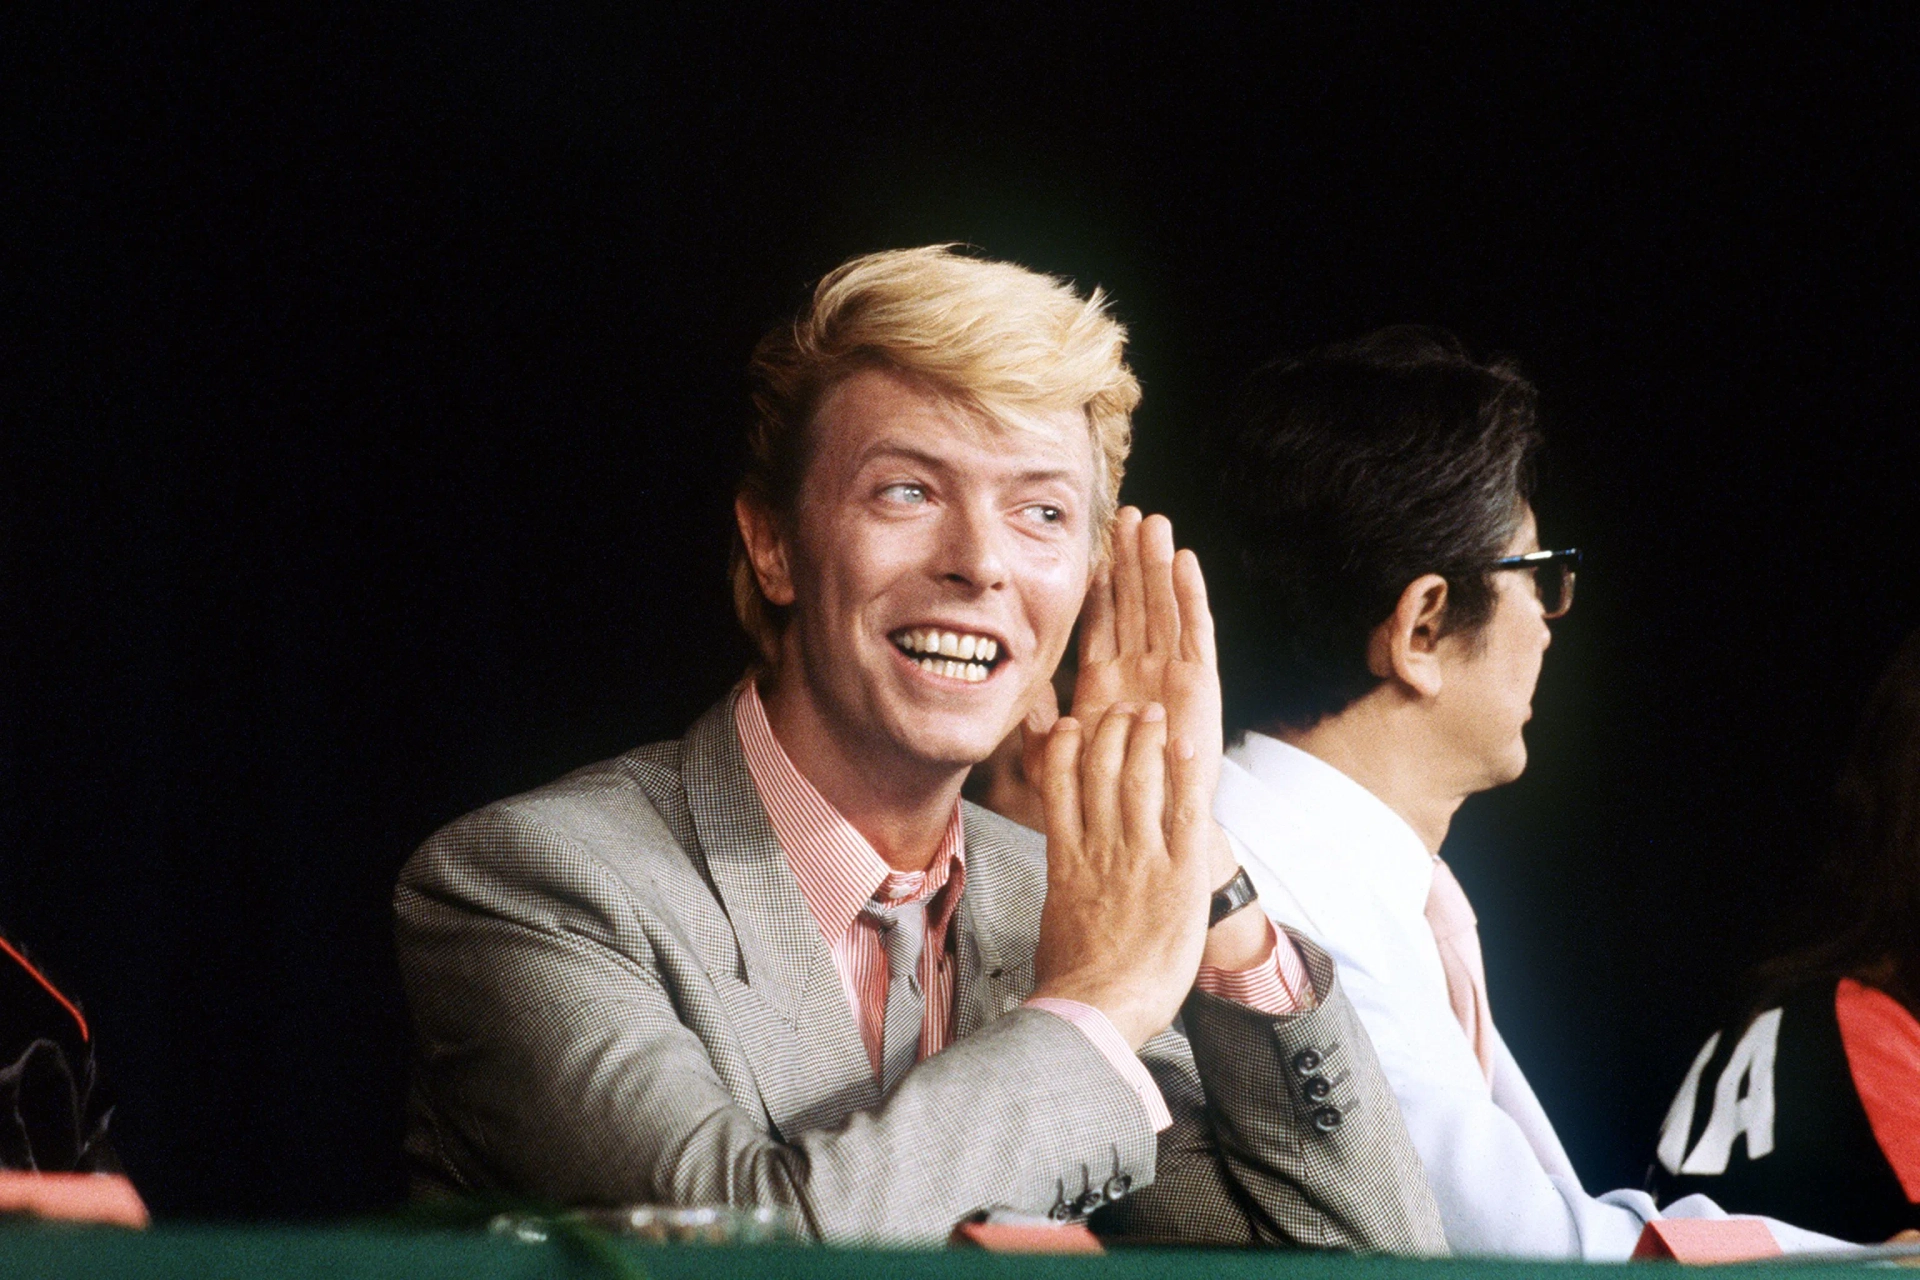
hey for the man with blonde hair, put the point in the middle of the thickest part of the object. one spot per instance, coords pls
(778, 962)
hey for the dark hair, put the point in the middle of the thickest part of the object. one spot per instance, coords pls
(1349, 472)
(1876, 844)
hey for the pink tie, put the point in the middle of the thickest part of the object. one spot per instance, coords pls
(1456, 933)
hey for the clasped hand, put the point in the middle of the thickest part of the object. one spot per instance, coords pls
(1127, 781)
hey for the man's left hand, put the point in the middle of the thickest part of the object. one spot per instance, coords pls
(1146, 636)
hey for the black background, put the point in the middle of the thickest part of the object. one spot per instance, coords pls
(377, 375)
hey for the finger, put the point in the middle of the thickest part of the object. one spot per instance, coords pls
(1096, 620)
(1100, 768)
(1059, 779)
(1042, 710)
(1156, 574)
(1129, 594)
(1189, 807)
(1035, 729)
(1144, 780)
(1196, 618)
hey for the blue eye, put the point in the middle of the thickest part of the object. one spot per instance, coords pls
(1045, 513)
(911, 494)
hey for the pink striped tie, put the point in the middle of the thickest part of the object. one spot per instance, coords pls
(1456, 933)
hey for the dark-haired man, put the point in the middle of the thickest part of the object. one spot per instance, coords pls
(1392, 607)
(778, 963)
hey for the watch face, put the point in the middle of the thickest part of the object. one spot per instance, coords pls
(1231, 896)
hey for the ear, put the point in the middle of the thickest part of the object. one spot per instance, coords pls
(766, 545)
(1406, 647)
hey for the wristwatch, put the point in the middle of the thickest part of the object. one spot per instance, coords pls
(1231, 896)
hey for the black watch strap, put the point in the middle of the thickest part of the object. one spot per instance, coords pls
(1231, 896)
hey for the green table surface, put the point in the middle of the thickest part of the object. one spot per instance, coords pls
(352, 1253)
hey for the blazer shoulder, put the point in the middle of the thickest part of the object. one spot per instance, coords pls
(631, 806)
(989, 834)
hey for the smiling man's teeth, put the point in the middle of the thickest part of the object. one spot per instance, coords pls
(971, 672)
(970, 649)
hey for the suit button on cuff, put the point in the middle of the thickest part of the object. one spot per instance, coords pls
(1306, 1062)
(1327, 1119)
(1317, 1089)
(1060, 1212)
(1089, 1201)
(1118, 1185)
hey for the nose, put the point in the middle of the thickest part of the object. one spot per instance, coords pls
(972, 551)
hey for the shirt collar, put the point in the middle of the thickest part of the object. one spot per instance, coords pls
(837, 869)
(1343, 818)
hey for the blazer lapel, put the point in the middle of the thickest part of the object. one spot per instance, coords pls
(796, 1028)
(998, 921)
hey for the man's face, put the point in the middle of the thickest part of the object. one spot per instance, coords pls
(937, 562)
(1489, 677)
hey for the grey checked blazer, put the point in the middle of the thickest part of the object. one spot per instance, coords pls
(619, 996)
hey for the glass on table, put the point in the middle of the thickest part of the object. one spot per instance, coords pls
(660, 1224)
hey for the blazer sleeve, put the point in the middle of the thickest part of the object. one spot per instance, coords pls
(1285, 1132)
(569, 1050)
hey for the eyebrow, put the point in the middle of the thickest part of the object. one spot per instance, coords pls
(896, 449)
(900, 449)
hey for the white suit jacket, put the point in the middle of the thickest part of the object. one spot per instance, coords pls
(1332, 861)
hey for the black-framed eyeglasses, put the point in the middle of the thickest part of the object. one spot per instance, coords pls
(1552, 573)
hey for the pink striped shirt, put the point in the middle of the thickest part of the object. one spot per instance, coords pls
(839, 872)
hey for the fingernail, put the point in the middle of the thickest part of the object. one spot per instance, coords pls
(1182, 749)
(1153, 712)
(1066, 723)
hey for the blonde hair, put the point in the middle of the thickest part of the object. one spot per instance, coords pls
(1000, 340)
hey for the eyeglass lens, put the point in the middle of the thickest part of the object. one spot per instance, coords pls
(1555, 584)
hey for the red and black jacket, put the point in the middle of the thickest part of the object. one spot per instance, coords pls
(1808, 1112)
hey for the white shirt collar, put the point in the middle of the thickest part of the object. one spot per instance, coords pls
(1340, 819)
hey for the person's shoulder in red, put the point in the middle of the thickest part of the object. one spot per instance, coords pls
(1882, 1040)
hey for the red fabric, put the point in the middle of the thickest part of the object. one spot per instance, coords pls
(1026, 1237)
(1697, 1240)
(1882, 1040)
(74, 1197)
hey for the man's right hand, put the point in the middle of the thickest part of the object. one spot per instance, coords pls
(1127, 869)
